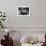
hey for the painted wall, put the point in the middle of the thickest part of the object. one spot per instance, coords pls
(18, 35)
(37, 19)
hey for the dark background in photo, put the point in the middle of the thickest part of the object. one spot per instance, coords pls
(23, 10)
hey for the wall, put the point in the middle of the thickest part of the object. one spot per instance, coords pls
(17, 35)
(37, 19)
(36, 22)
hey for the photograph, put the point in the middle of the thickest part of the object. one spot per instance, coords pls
(23, 11)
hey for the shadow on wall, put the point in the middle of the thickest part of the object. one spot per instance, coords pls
(16, 43)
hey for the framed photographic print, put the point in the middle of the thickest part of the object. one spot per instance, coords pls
(23, 11)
